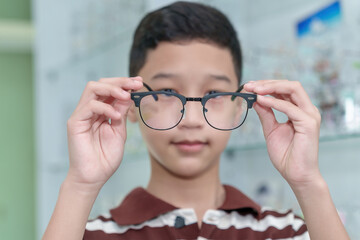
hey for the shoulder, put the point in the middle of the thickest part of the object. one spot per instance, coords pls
(133, 217)
(101, 228)
(244, 215)
(285, 222)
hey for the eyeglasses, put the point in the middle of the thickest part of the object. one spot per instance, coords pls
(163, 110)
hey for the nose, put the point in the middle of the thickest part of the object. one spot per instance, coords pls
(193, 115)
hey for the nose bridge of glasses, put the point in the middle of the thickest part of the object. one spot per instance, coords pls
(193, 109)
(192, 99)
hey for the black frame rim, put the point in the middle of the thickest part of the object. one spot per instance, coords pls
(249, 97)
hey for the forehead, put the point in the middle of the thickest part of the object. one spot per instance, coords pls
(189, 62)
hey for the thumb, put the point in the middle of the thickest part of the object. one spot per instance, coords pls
(267, 118)
(123, 108)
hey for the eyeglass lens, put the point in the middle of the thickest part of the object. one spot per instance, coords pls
(225, 112)
(165, 111)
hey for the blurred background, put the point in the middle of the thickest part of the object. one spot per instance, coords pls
(50, 49)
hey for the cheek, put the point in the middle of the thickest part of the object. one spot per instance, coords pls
(133, 114)
(155, 140)
(220, 139)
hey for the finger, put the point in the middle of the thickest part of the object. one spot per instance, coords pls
(96, 109)
(103, 90)
(97, 90)
(291, 90)
(293, 112)
(125, 83)
(302, 122)
(267, 118)
(123, 108)
(281, 97)
(278, 96)
(120, 79)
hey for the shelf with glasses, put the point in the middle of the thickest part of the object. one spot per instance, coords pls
(262, 145)
(340, 117)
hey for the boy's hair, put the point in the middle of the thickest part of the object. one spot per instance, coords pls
(184, 21)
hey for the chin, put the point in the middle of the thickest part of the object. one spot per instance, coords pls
(190, 169)
(187, 166)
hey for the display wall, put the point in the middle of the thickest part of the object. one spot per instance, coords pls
(83, 41)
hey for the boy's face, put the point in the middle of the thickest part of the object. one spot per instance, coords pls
(192, 69)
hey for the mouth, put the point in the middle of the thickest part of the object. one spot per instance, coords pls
(190, 146)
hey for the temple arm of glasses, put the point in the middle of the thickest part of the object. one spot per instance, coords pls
(251, 99)
(239, 90)
(150, 90)
(147, 86)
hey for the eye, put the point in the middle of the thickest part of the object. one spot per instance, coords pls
(168, 90)
(211, 92)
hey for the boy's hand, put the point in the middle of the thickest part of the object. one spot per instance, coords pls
(95, 146)
(292, 146)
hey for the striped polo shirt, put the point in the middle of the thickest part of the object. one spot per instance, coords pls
(144, 216)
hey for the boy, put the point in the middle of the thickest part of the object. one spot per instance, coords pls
(192, 50)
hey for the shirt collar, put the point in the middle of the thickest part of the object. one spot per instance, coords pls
(140, 206)
(236, 200)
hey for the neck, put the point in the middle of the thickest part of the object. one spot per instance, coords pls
(201, 192)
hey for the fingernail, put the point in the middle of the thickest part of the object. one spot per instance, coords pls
(137, 78)
(250, 84)
(138, 83)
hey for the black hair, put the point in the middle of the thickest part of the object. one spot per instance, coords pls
(184, 21)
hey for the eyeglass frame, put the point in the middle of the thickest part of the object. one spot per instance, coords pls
(249, 97)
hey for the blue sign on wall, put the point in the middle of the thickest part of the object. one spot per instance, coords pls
(326, 17)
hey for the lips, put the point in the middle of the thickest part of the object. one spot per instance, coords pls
(190, 146)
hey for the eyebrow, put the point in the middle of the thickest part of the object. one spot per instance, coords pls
(220, 77)
(164, 76)
(171, 75)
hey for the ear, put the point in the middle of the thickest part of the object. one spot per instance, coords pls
(132, 114)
